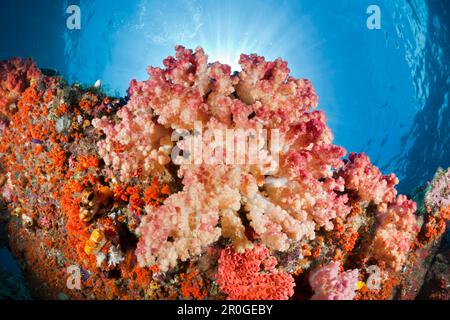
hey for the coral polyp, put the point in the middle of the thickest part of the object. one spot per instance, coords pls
(200, 184)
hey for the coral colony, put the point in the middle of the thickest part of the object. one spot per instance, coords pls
(200, 184)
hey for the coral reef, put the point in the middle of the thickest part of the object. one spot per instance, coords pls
(15, 76)
(329, 283)
(200, 184)
(253, 269)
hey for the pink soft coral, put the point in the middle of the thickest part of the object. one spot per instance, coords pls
(252, 276)
(279, 100)
(395, 232)
(329, 283)
(178, 230)
(134, 146)
(364, 178)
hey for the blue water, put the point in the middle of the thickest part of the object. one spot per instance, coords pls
(8, 262)
(385, 92)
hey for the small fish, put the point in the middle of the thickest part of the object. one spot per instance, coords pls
(383, 142)
(360, 285)
(385, 105)
(37, 141)
(85, 275)
(49, 72)
(98, 84)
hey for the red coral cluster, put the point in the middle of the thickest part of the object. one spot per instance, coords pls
(252, 275)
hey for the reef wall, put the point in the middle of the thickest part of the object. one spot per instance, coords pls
(138, 194)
